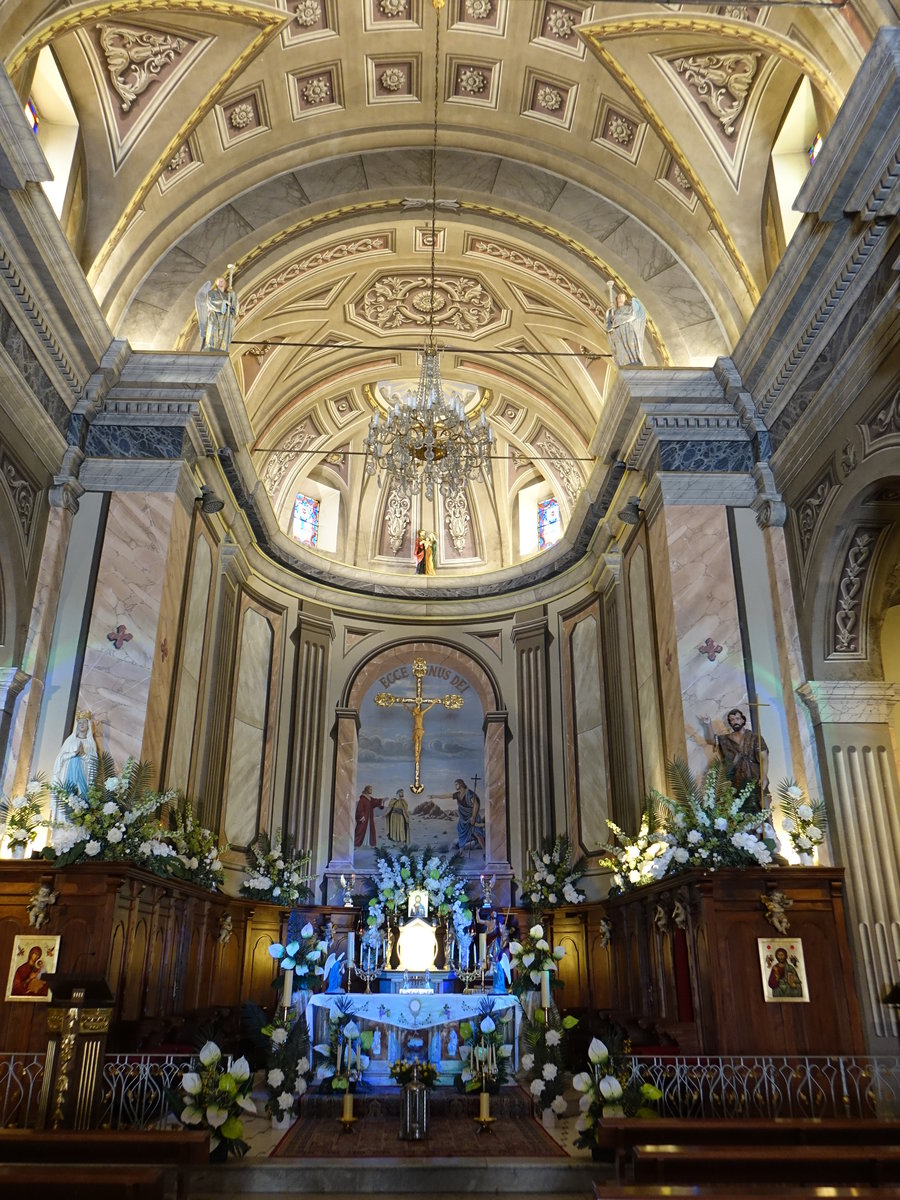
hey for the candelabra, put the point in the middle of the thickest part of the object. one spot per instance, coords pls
(374, 959)
(465, 972)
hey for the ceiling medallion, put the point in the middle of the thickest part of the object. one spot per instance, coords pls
(426, 440)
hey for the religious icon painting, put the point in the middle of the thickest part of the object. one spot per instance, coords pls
(34, 958)
(418, 903)
(783, 971)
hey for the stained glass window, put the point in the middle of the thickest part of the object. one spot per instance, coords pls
(549, 521)
(306, 520)
(31, 116)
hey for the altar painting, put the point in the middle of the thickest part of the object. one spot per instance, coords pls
(445, 815)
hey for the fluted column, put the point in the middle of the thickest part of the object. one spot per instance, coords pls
(315, 634)
(345, 790)
(851, 721)
(531, 639)
(496, 850)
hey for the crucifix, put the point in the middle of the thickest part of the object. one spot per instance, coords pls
(418, 705)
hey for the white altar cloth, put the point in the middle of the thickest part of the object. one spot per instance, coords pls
(412, 1011)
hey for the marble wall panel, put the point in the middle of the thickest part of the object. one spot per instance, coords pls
(280, 197)
(115, 682)
(175, 271)
(194, 638)
(666, 640)
(705, 606)
(652, 744)
(468, 172)
(248, 731)
(590, 740)
(345, 792)
(681, 296)
(392, 169)
(212, 241)
(337, 178)
(595, 217)
(520, 183)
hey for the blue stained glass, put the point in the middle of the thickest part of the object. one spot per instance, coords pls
(306, 520)
(549, 523)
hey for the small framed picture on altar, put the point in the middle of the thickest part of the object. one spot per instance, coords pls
(417, 905)
(783, 971)
(33, 958)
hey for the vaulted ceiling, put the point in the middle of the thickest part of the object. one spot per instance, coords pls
(578, 143)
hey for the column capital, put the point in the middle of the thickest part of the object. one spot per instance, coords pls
(348, 714)
(849, 701)
(12, 682)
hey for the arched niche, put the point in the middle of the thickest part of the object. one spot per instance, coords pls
(375, 749)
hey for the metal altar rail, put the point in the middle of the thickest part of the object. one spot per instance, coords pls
(772, 1085)
(134, 1089)
(135, 1085)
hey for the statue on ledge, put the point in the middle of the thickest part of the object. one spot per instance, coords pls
(744, 754)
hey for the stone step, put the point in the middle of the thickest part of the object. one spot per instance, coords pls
(431, 1178)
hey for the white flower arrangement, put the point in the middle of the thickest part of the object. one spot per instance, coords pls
(308, 958)
(708, 828)
(803, 821)
(396, 875)
(25, 816)
(610, 1089)
(544, 1061)
(287, 1064)
(552, 878)
(530, 958)
(214, 1098)
(276, 871)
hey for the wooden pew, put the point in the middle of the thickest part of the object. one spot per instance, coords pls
(872, 1166)
(167, 1151)
(621, 1135)
(63, 1181)
(747, 1191)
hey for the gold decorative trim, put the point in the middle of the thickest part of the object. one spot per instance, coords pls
(270, 21)
(723, 29)
(373, 206)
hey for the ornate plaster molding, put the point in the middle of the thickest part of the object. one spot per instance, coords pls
(849, 702)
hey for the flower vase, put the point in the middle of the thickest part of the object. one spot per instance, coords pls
(529, 1001)
(548, 1118)
(17, 851)
(282, 1123)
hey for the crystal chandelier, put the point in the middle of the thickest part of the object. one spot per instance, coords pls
(426, 441)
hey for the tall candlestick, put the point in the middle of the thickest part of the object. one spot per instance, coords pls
(484, 1106)
(347, 1113)
(545, 989)
(482, 947)
(287, 994)
(351, 949)
(359, 1056)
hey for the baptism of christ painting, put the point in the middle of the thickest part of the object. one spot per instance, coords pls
(420, 767)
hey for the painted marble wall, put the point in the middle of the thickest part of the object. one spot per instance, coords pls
(248, 730)
(119, 653)
(194, 638)
(590, 738)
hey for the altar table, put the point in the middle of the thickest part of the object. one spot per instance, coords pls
(403, 1017)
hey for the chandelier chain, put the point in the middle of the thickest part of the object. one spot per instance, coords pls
(434, 149)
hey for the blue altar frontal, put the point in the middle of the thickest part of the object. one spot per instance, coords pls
(416, 1024)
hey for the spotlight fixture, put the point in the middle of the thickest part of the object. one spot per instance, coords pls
(632, 513)
(209, 501)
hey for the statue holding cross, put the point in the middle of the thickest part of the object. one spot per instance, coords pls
(743, 751)
(417, 706)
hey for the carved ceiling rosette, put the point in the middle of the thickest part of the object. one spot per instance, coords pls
(458, 302)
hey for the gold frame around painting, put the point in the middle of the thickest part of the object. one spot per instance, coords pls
(783, 971)
(40, 953)
(417, 903)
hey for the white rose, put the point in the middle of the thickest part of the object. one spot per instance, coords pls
(558, 1105)
(553, 1037)
(115, 835)
(285, 1100)
(552, 898)
(527, 1062)
(34, 788)
(549, 1070)
(814, 833)
(109, 808)
(804, 843)
(302, 1065)
(681, 855)
(794, 792)
(788, 825)
(300, 1085)
(804, 812)
(112, 783)
(275, 1077)
(92, 848)
(720, 823)
(694, 837)
(537, 1086)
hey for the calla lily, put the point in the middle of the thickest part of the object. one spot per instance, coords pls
(536, 931)
(247, 1104)
(233, 1128)
(191, 1083)
(215, 1116)
(610, 1088)
(597, 1052)
(487, 1025)
(210, 1054)
(582, 1081)
(276, 950)
(293, 949)
(307, 931)
(559, 952)
(239, 1070)
(351, 1031)
(191, 1115)
(535, 976)
(227, 1084)
(515, 948)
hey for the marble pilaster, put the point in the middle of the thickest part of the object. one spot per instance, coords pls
(530, 638)
(496, 850)
(862, 793)
(345, 790)
(315, 633)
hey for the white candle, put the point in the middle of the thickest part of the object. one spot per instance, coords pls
(288, 992)
(359, 1056)
(484, 1106)
(348, 1105)
(545, 989)
(351, 948)
(340, 1053)
(482, 947)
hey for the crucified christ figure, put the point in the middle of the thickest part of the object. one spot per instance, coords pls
(417, 706)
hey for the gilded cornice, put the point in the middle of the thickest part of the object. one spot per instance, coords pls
(379, 206)
(269, 20)
(723, 30)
